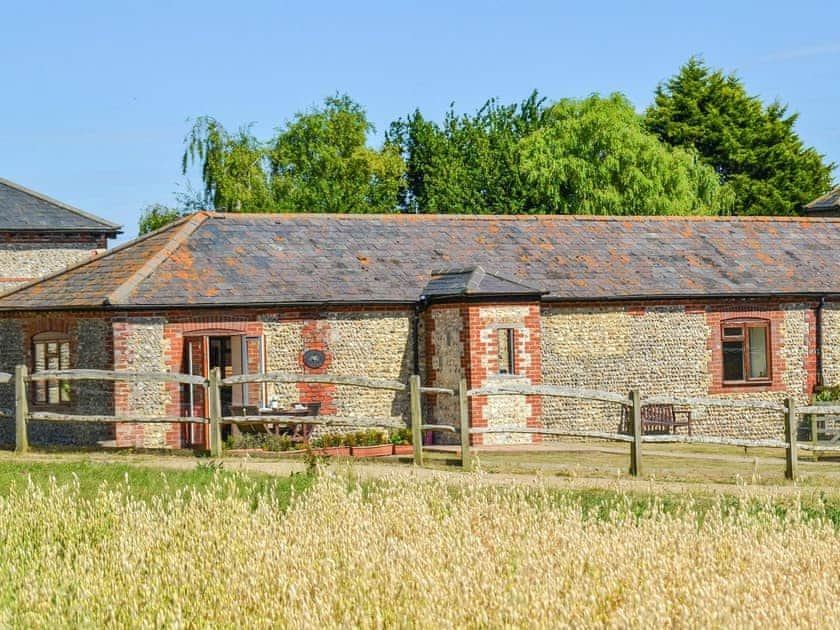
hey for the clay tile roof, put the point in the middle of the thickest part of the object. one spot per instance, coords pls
(829, 201)
(22, 209)
(263, 259)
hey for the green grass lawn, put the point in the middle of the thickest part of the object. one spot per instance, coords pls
(145, 482)
(142, 482)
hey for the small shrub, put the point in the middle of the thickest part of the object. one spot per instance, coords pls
(829, 394)
(401, 436)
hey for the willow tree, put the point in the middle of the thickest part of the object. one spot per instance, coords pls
(593, 156)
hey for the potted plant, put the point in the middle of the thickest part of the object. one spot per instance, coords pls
(330, 445)
(371, 443)
(401, 439)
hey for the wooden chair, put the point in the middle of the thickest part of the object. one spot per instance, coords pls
(658, 419)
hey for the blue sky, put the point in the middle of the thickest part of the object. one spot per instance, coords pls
(95, 96)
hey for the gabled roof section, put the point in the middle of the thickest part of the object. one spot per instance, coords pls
(829, 201)
(106, 279)
(476, 282)
(25, 210)
(222, 260)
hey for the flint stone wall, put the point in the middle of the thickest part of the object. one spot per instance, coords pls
(91, 349)
(665, 350)
(23, 262)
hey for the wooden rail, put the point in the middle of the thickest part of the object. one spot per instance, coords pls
(603, 435)
(636, 438)
(116, 375)
(329, 379)
(214, 382)
(46, 416)
(550, 390)
(442, 428)
(713, 402)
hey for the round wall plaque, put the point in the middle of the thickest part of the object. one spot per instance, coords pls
(313, 359)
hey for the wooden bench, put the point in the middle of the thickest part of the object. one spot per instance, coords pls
(658, 419)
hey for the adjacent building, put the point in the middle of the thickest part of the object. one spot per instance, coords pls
(39, 235)
(725, 307)
(826, 206)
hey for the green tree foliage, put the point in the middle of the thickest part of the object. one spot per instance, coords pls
(754, 149)
(234, 167)
(593, 156)
(469, 164)
(319, 162)
(155, 216)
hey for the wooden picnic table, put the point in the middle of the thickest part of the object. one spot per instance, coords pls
(274, 428)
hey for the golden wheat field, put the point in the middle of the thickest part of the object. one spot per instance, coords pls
(407, 553)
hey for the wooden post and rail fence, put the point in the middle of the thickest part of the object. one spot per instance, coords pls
(215, 418)
(214, 382)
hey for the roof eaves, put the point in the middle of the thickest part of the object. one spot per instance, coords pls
(120, 295)
(108, 225)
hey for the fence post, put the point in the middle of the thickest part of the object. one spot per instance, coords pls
(466, 456)
(814, 436)
(215, 404)
(21, 410)
(636, 429)
(416, 418)
(791, 463)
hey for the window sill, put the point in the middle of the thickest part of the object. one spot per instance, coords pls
(747, 387)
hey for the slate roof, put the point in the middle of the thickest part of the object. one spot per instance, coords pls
(829, 201)
(474, 281)
(24, 210)
(228, 259)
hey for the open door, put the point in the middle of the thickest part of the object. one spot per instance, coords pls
(233, 355)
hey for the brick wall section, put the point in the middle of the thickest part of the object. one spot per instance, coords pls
(26, 257)
(482, 369)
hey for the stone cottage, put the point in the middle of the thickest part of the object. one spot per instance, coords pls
(39, 235)
(728, 307)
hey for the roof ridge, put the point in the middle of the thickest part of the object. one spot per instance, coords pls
(97, 257)
(396, 216)
(60, 204)
(121, 293)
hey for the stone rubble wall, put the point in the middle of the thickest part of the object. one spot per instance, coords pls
(664, 350)
(831, 344)
(141, 346)
(24, 262)
(446, 332)
(90, 348)
(356, 343)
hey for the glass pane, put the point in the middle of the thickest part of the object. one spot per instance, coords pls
(40, 357)
(732, 332)
(733, 361)
(505, 362)
(65, 356)
(758, 352)
(52, 388)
